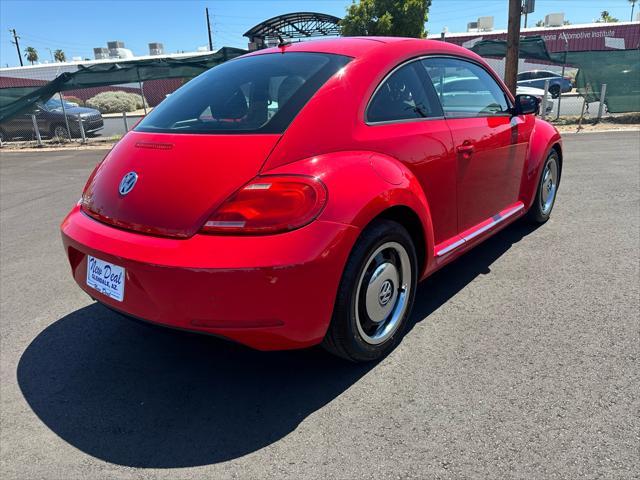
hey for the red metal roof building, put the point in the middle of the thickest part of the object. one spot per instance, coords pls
(584, 37)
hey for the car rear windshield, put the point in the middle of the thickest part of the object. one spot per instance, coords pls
(255, 94)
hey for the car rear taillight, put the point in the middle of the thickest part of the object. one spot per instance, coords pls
(269, 204)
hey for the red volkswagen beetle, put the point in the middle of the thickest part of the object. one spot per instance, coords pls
(296, 195)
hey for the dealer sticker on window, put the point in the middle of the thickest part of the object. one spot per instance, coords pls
(106, 278)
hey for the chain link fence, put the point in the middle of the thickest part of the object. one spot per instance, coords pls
(571, 106)
(83, 116)
(104, 114)
(561, 102)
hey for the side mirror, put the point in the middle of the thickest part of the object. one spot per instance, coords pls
(526, 104)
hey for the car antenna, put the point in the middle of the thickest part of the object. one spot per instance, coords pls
(282, 42)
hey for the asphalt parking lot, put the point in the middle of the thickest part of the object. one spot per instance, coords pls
(521, 363)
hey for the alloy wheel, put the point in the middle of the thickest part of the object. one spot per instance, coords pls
(60, 133)
(383, 293)
(549, 185)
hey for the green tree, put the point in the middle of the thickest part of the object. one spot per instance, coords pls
(396, 18)
(606, 18)
(59, 56)
(31, 54)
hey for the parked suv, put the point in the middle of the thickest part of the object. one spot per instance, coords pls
(536, 79)
(51, 123)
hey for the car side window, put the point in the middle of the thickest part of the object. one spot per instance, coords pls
(402, 96)
(465, 89)
(525, 76)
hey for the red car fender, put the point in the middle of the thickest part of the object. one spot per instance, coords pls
(362, 185)
(543, 137)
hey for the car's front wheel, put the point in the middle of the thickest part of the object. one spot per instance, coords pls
(60, 133)
(547, 189)
(375, 295)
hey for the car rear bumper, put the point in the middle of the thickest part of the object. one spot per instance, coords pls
(272, 292)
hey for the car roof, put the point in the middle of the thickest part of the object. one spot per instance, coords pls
(361, 46)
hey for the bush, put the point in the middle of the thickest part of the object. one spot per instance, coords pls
(115, 102)
(73, 99)
(141, 102)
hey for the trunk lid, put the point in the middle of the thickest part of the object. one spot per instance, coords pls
(181, 179)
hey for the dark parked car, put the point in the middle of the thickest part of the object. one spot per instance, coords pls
(51, 123)
(536, 79)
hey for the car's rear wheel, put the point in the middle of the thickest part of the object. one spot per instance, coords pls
(554, 90)
(375, 295)
(547, 189)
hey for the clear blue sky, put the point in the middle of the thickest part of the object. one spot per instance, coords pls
(78, 26)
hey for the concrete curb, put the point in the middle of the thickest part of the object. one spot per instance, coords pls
(611, 130)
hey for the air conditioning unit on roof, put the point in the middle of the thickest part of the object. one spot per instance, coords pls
(554, 20)
(485, 24)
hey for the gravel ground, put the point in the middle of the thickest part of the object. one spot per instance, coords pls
(522, 361)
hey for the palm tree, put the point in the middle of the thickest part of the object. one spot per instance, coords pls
(31, 54)
(633, 5)
(59, 56)
(605, 17)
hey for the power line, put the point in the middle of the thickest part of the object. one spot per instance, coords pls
(37, 38)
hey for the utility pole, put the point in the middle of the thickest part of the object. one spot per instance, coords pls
(15, 42)
(209, 30)
(513, 45)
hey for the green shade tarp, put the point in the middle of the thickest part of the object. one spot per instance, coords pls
(19, 99)
(618, 69)
(530, 47)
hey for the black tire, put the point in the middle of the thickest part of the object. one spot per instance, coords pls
(554, 90)
(53, 135)
(543, 205)
(346, 336)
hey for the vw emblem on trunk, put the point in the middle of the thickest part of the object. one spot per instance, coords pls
(127, 183)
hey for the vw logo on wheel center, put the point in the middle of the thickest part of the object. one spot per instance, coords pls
(386, 291)
(127, 183)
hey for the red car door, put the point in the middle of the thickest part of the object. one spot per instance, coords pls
(405, 120)
(490, 143)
